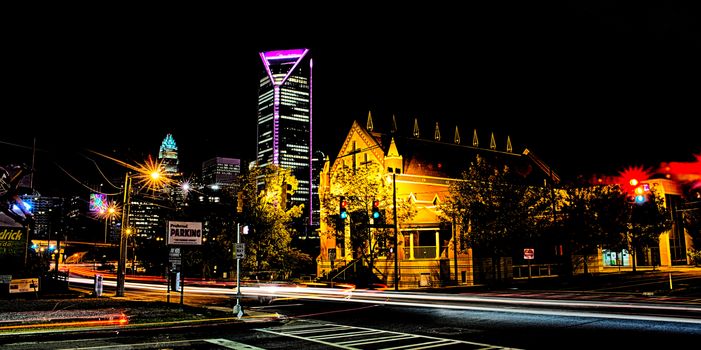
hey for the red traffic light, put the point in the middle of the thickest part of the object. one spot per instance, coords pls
(342, 211)
(376, 209)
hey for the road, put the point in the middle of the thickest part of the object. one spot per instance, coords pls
(344, 325)
(318, 318)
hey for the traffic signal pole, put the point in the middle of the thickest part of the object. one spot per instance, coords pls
(238, 309)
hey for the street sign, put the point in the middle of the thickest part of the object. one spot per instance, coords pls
(332, 254)
(240, 250)
(528, 253)
(174, 257)
(24, 285)
(184, 233)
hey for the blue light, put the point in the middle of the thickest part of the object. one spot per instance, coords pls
(344, 215)
(52, 247)
(376, 215)
(34, 246)
(640, 198)
(27, 205)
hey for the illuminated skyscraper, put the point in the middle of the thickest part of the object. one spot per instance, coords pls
(168, 154)
(285, 119)
(220, 171)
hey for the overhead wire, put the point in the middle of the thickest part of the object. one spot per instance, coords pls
(82, 184)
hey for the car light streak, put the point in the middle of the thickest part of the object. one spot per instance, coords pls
(117, 319)
(455, 302)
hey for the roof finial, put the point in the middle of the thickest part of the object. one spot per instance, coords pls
(475, 140)
(437, 133)
(492, 143)
(456, 139)
(394, 124)
(369, 123)
(392, 151)
(416, 127)
(508, 145)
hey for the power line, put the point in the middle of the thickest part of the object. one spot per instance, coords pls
(82, 184)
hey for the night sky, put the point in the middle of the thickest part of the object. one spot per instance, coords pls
(572, 82)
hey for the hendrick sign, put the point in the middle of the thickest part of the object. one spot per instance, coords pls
(184, 233)
(13, 241)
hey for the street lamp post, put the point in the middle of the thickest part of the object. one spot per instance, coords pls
(121, 266)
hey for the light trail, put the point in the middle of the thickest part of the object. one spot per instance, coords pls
(455, 302)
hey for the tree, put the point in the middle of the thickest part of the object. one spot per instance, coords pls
(692, 218)
(360, 187)
(269, 221)
(593, 216)
(499, 209)
(647, 221)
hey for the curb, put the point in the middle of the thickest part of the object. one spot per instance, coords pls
(109, 330)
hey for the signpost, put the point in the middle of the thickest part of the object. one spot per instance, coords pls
(181, 233)
(528, 255)
(240, 251)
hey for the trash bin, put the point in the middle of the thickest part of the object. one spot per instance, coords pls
(98, 285)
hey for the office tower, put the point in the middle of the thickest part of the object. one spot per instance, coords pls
(285, 119)
(220, 171)
(168, 155)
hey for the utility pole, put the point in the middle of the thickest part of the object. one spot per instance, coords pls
(121, 265)
(396, 233)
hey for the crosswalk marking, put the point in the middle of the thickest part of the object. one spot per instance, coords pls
(329, 334)
(230, 344)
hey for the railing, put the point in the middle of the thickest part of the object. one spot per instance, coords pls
(422, 252)
(535, 270)
(343, 271)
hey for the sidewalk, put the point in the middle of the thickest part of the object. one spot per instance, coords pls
(666, 284)
(79, 312)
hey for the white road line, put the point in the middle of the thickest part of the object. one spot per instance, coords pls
(319, 330)
(381, 339)
(344, 335)
(230, 344)
(426, 345)
(303, 338)
(371, 336)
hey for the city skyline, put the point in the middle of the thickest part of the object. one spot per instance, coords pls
(572, 83)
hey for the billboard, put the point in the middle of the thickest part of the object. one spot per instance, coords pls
(98, 202)
(13, 241)
(184, 233)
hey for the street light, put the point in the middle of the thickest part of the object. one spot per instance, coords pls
(150, 176)
(109, 214)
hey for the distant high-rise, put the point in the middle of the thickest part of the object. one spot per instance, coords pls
(48, 215)
(285, 119)
(220, 171)
(168, 155)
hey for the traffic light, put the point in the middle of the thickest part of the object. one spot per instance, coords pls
(342, 208)
(376, 209)
(640, 192)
